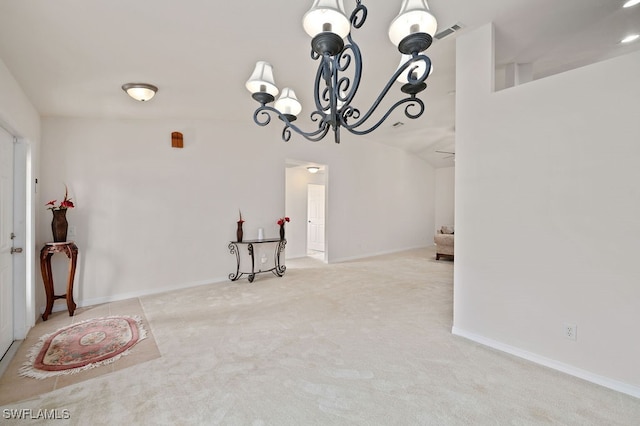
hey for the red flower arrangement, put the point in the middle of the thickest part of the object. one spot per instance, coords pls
(241, 219)
(282, 220)
(66, 203)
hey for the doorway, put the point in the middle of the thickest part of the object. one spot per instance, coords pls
(315, 220)
(17, 241)
(307, 208)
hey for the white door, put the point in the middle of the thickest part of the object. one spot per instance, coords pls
(6, 243)
(315, 216)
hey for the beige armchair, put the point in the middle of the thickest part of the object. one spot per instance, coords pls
(444, 240)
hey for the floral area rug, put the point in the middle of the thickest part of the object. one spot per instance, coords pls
(82, 346)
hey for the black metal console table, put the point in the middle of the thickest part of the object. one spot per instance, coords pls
(252, 247)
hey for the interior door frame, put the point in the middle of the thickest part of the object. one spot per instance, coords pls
(7, 142)
(23, 280)
(324, 215)
(24, 226)
(24, 192)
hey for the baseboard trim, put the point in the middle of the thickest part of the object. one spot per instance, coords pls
(380, 253)
(146, 292)
(6, 359)
(551, 363)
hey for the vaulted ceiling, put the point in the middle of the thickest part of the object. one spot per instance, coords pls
(72, 56)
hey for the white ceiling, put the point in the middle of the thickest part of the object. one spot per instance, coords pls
(72, 56)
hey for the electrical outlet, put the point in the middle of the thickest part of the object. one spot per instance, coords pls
(571, 331)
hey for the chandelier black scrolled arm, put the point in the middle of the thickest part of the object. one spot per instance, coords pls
(264, 111)
(414, 82)
(345, 82)
(359, 15)
(340, 70)
(412, 102)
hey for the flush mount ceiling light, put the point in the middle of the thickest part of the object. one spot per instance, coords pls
(631, 3)
(630, 38)
(140, 91)
(313, 169)
(327, 24)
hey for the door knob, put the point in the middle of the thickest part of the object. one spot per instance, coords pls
(16, 250)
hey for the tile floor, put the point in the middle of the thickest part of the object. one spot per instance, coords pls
(14, 387)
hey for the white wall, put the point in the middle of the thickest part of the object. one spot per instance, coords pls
(445, 196)
(17, 114)
(150, 217)
(380, 200)
(547, 207)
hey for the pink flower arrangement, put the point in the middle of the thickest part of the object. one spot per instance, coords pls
(66, 203)
(241, 219)
(282, 220)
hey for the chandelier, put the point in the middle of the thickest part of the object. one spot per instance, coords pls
(335, 86)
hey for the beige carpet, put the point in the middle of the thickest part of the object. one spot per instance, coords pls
(359, 343)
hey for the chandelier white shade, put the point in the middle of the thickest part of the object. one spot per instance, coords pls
(262, 79)
(326, 15)
(140, 91)
(287, 103)
(414, 17)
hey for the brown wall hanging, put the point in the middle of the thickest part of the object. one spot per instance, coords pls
(176, 140)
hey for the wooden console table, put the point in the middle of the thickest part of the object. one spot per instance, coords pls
(71, 250)
(251, 247)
